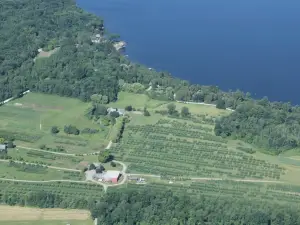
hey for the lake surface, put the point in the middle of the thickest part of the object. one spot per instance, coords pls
(253, 45)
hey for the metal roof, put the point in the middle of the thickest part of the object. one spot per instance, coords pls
(111, 174)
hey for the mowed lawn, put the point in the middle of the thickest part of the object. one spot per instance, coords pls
(34, 114)
(137, 101)
(33, 216)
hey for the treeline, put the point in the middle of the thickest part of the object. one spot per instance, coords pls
(149, 207)
(162, 207)
(273, 126)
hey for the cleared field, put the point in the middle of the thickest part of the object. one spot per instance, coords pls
(138, 101)
(30, 118)
(14, 213)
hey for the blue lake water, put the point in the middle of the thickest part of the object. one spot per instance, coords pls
(253, 45)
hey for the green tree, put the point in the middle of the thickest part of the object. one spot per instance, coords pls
(128, 108)
(114, 114)
(146, 112)
(221, 104)
(185, 111)
(2, 140)
(54, 130)
(92, 166)
(104, 156)
(171, 108)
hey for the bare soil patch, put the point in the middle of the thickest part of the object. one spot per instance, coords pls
(15, 213)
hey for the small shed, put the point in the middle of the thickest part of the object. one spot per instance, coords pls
(3, 148)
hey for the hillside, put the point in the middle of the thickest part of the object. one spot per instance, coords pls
(90, 108)
(65, 59)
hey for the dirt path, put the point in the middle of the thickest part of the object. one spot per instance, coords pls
(41, 150)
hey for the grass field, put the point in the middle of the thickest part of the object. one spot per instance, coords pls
(22, 215)
(138, 101)
(31, 117)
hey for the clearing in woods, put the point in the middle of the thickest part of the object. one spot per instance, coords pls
(31, 117)
(20, 215)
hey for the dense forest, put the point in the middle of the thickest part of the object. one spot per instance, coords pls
(80, 68)
(156, 208)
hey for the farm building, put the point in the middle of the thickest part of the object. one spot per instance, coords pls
(120, 111)
(108, 176)
(3, 148)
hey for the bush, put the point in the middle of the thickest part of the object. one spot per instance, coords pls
(42, 146)
(113, 164)
(54, 130)
(89, 131)
(128, 108)
(69, 129)
(114, 114)
(146, 112)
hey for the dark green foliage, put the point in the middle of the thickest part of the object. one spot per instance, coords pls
(92, 166)
(78, 68)
(220, 104)
(273, 126)
(185, 111)
(113, 164)
(69, 129)
(89, 131)
(146, 112)
(158, 207)
(10, 144)
(100, 169)
(171, 108)
(128, 108)
(114, 114)
(104, 156)
(54, 130)
(119, 128)
(42, 146)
